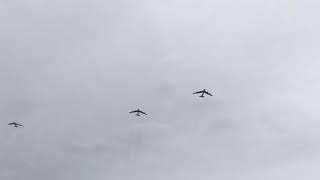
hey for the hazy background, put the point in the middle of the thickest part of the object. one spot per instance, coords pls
(71, 70)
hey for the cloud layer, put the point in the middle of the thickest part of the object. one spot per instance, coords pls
(70, 71)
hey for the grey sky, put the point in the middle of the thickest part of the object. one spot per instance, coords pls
(70, 71)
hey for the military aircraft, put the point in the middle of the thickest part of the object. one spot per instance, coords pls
(15, 124)
(202, 93)
(138, 112)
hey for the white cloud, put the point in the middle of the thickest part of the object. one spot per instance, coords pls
(71, 70)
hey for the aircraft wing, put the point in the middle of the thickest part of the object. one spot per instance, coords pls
(143, 112)
(11, 124)
(198, 92)
(19, 125)
(208, 93)
(133, 111)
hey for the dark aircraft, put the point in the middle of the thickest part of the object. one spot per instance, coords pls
(138, 112)
(15, 124)
(202, 93)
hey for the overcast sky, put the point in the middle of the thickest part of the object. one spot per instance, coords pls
(71, 70)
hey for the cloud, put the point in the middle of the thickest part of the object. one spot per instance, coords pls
(70, 71)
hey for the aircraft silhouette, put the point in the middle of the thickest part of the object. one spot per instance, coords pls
(138, 112)
(202, 93)
(15, 124)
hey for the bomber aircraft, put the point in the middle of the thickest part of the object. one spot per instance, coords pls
(138, 111)
(15, 124)
(202, 93)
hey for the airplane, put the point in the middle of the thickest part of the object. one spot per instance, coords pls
(202, 93)
(15, 124)
(138, 112)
